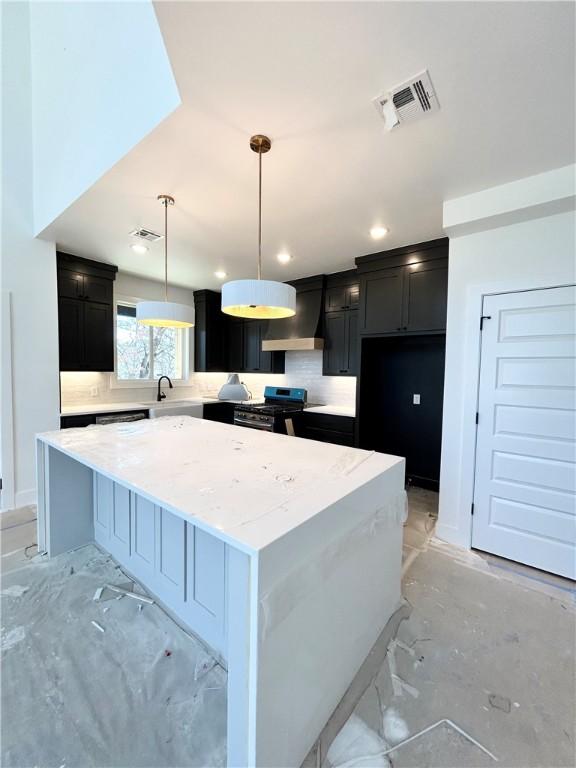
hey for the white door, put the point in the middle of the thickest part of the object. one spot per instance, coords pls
(524, 495)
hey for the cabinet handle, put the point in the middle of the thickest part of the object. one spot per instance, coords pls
(343, 370)
(399, 329)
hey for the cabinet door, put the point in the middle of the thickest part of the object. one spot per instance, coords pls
(353, 296)
(381, 305)
(98, 337)
(235, 342)
(426, 296)
(336, 298)
(335, 343)
(97, 289)
(71, 334)
(252, 346)
(70, 284)
(352, 341)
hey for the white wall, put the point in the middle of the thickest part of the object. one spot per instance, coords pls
(537, 253)
(30, 397)
(101, 81)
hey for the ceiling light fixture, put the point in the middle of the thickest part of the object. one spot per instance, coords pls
(165, 314)
(220, 274)
(284, 257)
(263, 299)
(376, 233)
(137, 248)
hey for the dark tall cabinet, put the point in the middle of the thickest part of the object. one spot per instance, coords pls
(85, 314)
(402, 322)
(341, 303)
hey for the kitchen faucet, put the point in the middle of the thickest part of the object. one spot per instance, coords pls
(161, 396)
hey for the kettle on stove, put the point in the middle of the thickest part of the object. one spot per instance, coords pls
(234, 389)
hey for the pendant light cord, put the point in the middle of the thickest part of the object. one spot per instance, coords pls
(260, 213)
(165, 250)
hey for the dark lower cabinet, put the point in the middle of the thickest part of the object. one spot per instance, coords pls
(325, 428)
(222, 412)
(340, 343)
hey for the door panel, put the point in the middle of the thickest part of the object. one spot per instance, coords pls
(525, 486)
(352, 344)
(335, 352)
(382, 296)
(98, 289)
(119, 543)
(98, 336)
(426, 296)
(143, 535)
(103, 504)
(71, 334)
(170, 557)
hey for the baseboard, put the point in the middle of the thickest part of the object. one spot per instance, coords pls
(450, 535)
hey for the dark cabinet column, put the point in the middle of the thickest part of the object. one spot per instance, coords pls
(353, 334)
(235, 345)
(252, 346)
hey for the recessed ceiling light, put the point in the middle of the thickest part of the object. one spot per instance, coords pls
(283, 257)
(378, 232)
(137, 248)
(220, 274)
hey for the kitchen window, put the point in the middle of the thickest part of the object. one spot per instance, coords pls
(143, 353)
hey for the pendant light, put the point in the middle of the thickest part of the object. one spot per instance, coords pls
(263, 299)
(165, 314)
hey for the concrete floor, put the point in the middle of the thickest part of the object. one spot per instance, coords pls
(487, 652)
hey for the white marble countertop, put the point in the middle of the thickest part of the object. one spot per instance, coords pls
(85, 409)
(246, 486)
(334, 410)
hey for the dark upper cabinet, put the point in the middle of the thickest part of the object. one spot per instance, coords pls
(225, 343)
(341, 324)
(98, 320)
(85, 314)
(340, 343)
(244, 348)
(252, 346)
(382, 301)
(235, 345)
(210, 330)
(426, 289)
(335, 360)
(339, 297)
(404, 290)
(71, 334)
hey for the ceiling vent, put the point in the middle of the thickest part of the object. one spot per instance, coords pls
(408, 101)
(146, 234)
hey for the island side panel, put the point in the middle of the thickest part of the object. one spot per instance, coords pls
(242, 616)
(326, 591)
(65, 502)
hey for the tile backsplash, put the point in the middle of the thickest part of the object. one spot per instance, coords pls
(303, 369)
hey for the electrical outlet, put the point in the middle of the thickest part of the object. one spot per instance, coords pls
(93, 391)
(415, 399)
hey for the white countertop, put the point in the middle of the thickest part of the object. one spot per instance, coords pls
(246, 486)
(86, 409)
(334, 410)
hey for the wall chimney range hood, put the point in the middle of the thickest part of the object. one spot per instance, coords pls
(302, 331)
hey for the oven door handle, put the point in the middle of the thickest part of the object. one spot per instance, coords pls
(239, 421)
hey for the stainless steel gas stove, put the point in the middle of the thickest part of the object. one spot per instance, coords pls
(280, 403)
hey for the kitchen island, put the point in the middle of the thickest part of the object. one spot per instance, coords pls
(282, 554)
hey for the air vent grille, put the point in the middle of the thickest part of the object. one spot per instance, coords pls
(408, 101)
(146, 234)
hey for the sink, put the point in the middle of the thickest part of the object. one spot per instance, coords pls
(177, 408)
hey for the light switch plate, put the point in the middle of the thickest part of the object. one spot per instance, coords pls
(416, 399)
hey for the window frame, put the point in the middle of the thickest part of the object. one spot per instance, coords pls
(116, 383)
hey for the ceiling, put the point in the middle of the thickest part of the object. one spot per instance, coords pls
(305, 74)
